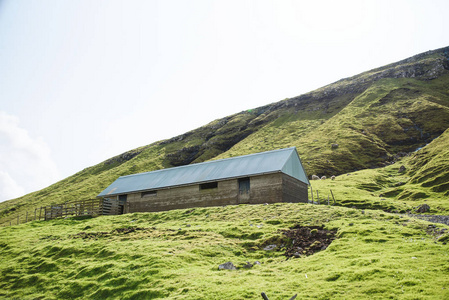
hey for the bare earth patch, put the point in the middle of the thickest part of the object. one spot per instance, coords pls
(300, 241)
(306, 240)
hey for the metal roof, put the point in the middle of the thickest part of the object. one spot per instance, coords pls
(283, 160)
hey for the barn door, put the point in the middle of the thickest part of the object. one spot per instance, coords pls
(244, 188)
(121, 204)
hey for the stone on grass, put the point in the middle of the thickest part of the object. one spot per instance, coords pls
(423, 208)
(269, 247)
(227, 266)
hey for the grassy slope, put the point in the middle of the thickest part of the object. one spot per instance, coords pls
(177, 255)
(425, 180)
(371, 116)
(84, 184)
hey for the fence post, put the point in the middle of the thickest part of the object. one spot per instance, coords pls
(311, 192)
(18, 219)
(333, 196)
(26, 218)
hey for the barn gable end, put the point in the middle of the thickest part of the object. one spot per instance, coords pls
(293, 167)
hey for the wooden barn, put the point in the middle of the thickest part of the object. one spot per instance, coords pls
(267, 177)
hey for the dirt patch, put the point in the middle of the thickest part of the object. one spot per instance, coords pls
(127, 230)
(101, 234)
(307, 240)
(301, 241)
(89, 235)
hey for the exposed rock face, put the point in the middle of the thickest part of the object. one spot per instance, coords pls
(184, 156)
(177, 138)
(216, 137)
(124, 156)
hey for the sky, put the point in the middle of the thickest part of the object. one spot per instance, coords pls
(82, 81)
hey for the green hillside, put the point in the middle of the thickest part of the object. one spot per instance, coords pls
(368, 121)
(424, 180)
(176, 255)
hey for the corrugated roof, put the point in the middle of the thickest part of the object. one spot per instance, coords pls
(283, 160)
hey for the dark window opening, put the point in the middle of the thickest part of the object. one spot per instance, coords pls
(148, 194)
(122, 197)
(208, 185)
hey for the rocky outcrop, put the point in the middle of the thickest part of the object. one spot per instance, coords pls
(124, 157)
(184, 156)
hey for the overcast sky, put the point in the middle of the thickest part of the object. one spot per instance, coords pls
(82, 81)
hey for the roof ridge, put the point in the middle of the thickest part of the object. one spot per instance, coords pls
(211, 161)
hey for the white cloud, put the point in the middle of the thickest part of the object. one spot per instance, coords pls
(26, 164)
(9, 189)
